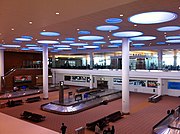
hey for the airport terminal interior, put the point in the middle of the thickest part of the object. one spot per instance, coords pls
(90, 64)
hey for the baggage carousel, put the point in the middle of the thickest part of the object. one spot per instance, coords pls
(70, 106)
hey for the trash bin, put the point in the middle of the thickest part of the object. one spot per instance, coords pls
(80, 130)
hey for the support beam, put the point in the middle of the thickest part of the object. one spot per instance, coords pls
(160, 53)
(1, 66)
(91, 60)
(125, 76)
(45, 71)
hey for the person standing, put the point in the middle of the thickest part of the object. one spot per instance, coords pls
(63, 128)
(112, 130)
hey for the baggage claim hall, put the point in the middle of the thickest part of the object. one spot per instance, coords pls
(90, 64)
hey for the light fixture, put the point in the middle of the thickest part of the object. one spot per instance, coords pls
(172, 37)
(135, 25)
(70, 39)
(99, 42)
(31, 45)
(152, 17)
(57, 13)
(113, 46)
(161, 43)
(92, 46)
(22, 39)
(61, 46)
(173, 41)
(49, 33)
(84, 32)
(81, 48)
(30, 22)
(48, 42)
(27, 37)
(44, 30)
(12, 29)
(113, 20)
(11, 46)
(115, 41)
(35, 48)
(67, 41)
(25, 49)
(92, 37)
(107, 28)
(169, 28)
(127, 34)
(64, 48)
(78, 44)
(121, 15)
(77, 29)
(143, 38)
(138, 44)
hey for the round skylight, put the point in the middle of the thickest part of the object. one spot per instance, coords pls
(161, 43)
(91, 37)
(61, 46)
(31, 45)
(152, 17)
(144, 38)
(49, 33)
(11, 46)
(25, 49)
(84, 32)
(22, 39)
(99, 42)
(48, 42)
(113, 20)
(35, 48)
(172, 37)
(169, 28)
(81, 48)
(78, 44)
(91, 46)
(115, 41)
(70, 39)
(64, 48)
(67, 41)
(173, 41)
(28, 37)
(138, 44)
(127, 34)
(113, 46)
(107, 28)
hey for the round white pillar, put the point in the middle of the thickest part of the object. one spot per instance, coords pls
(1, 66)
(159, 86)
(160, 59)
(91, 82)
(91, 60)
(175, 57)
(125, 76)
(45, 71)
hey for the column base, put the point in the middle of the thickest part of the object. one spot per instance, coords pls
(45, 98)
(125, 113)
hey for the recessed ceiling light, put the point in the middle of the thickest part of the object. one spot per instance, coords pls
(44, 30)
(127, 34)
(47, 42)
(107, 28)
(179, 7)
(57, 13)
(169, 28)
(113, 20)
(92, 37)
(164, 32)
(144, 38)
(135, 25)
(30, 22)
(121, 15)
(12, 29)
(77, 29)
(49, 33)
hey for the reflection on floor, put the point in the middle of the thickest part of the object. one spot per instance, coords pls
(71, 106)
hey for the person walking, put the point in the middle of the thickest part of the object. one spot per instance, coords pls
(63, 128)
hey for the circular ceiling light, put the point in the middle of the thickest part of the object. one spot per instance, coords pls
(67, 41)
(115, 41)
(48, 42)
(152, 17)
(113, 46)
(25, 49)
(31, 45)
(173, 41)
(144, 38)
(161, 43)
(81, 48)
(27, 37)
(138, 44)
(91, 46)
(172, 37)
(79, 44)
(11, 46)
(62, 46)
(49, 33)
(169, 28)
(107, 28)
(99, 42)
(22, 39)
(35, 48)
(84, 32)
(70, 39)
(113, 20)
(91, 37)
(127, 34)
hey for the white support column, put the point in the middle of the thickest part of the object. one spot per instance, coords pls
(91, 60)
(45, 71)
(160, 53)
(125, 76)
(54, 78)
(1, 65)
(175, 57)
(91, 82)
(159, 86)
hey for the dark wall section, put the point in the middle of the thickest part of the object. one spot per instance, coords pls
(20, 59)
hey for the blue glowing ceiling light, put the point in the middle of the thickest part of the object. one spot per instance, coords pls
(161, 43)
(78, 44)
(27, 37)
(84, 32)
(99, 42)
(70, 39)
(15, 41)
(49, 33)
(25, 49)
(173, 41)
(152, 17)
(169, 28)
(31, 45)
(67, 41)
(138, 44)
(11, 46)
(113, 20)
(113, 46)
(91, 37)
(61, 46)
(35, 48)
(115, 41)
(107, 28)
(143, 38)
(91, 46)
(81, 48)
(127, 34)
(64, 48)
(22, 39)
(48, 42)
(172, 37)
